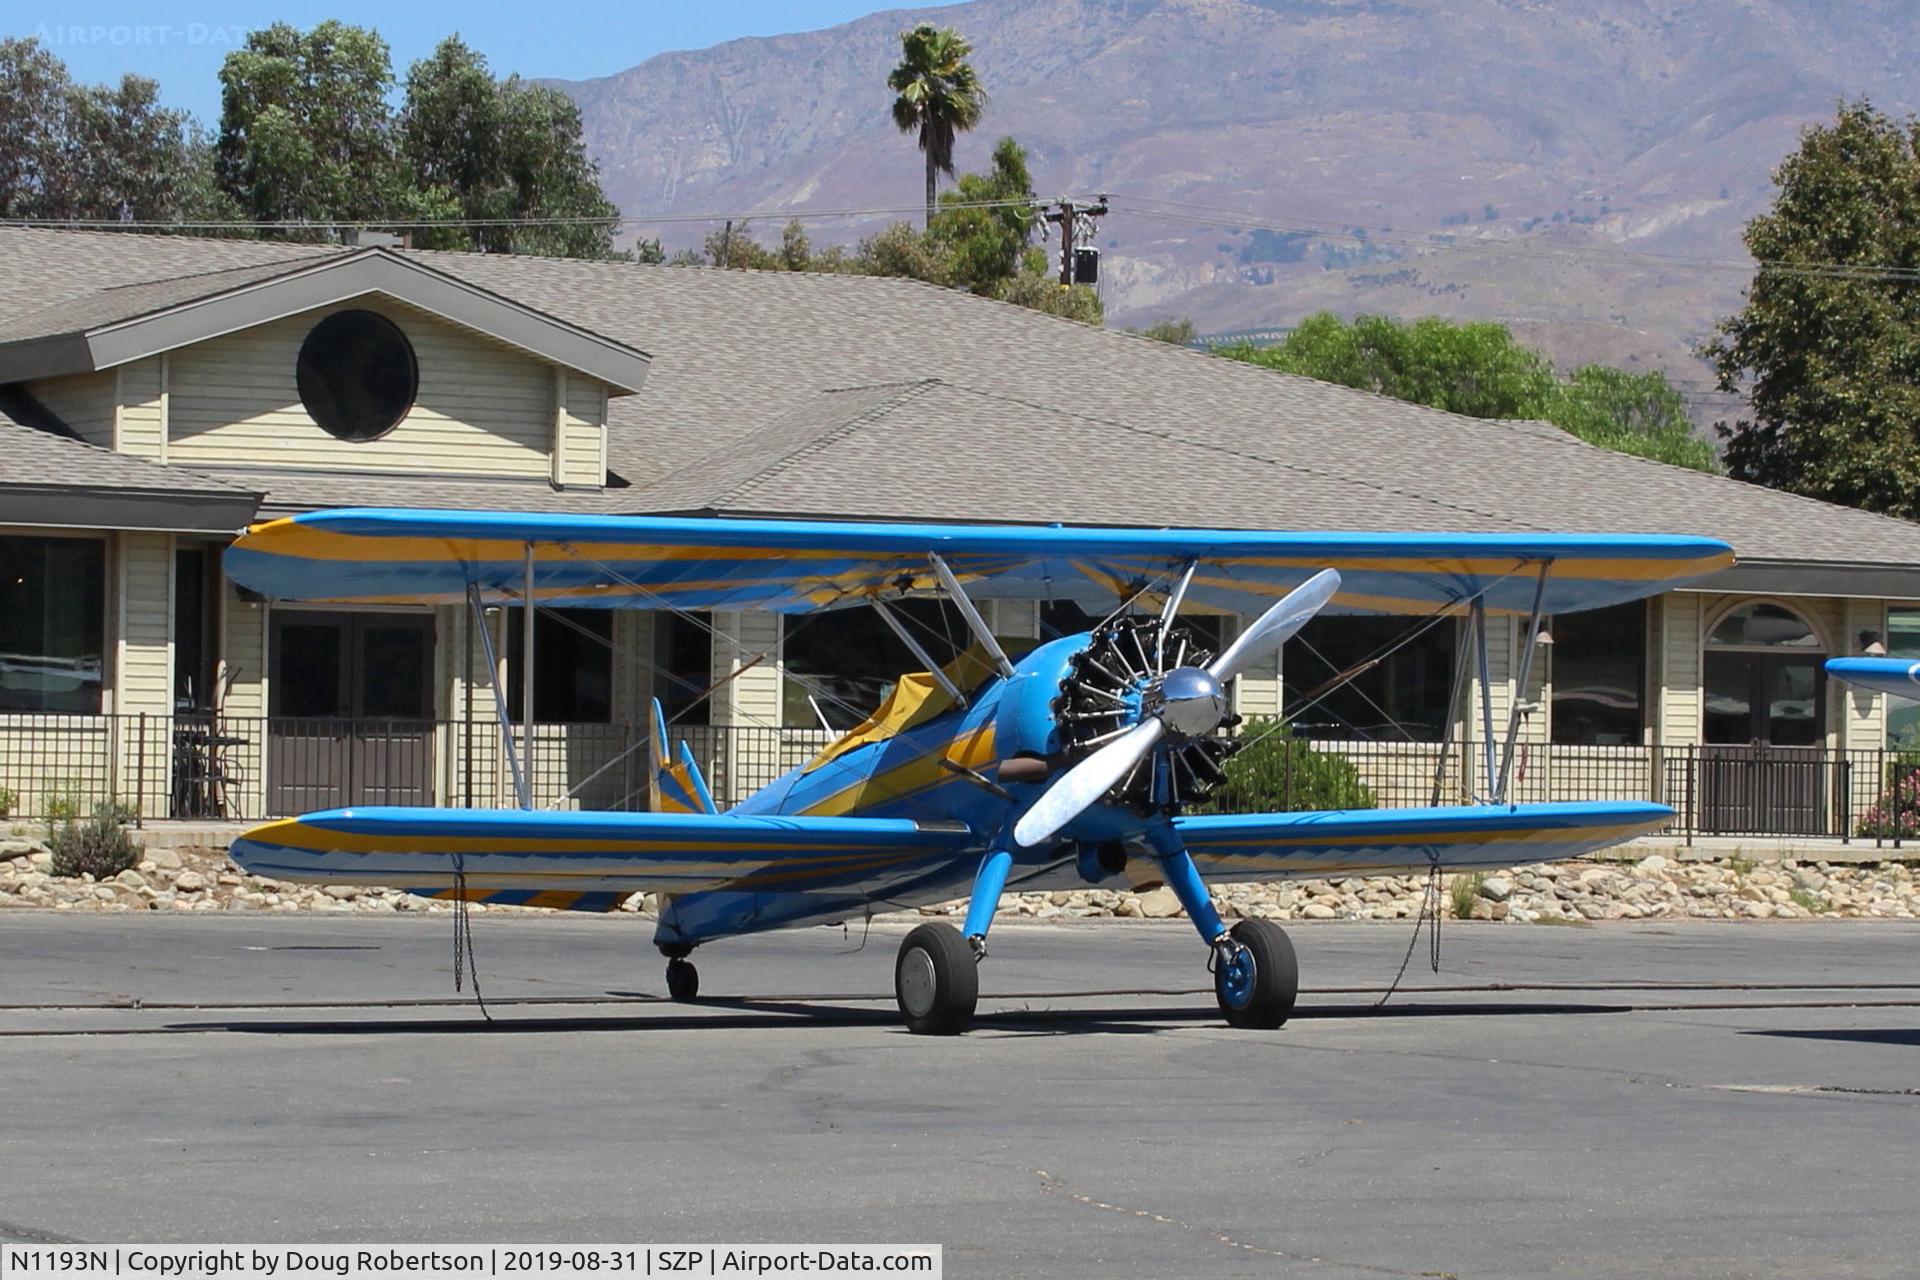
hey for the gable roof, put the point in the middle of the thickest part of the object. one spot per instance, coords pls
(1015, 411)
(139, 318)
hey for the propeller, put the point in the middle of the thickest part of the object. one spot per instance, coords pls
(1187, 701)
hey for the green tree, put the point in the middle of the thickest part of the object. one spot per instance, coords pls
(986, 223)
(305, 131)
(1476, 369)
(1827, 346)
(87, 152)
(1179, 332)
(1637, 413)
(508, 153)
(1040, 291)
(1479, 370)
(939, 96)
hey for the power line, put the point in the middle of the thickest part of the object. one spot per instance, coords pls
(116, 224)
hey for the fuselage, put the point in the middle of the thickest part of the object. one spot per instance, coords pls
(907, 775)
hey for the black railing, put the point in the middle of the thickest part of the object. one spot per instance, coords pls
(203, 767)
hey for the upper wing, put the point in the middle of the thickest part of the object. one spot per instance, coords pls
(382, 556)
(589, 861)
(1899, 676)
(1272, 846)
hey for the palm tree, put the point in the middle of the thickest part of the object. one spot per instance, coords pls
(940, 95)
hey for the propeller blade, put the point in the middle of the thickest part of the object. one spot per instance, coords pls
(1276, 625)
(1085, 783)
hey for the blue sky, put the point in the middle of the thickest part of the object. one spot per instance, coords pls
(181, 43)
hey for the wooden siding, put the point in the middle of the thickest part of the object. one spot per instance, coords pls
(1678, 670)
(244, 655)
(143, 408)
(87, 402)
(1862, 719)
(482, 408)
(144, 678)
(580, 448)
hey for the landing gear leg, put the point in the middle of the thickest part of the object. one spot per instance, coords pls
(683, 980)
(988, 884)
(1255, 974)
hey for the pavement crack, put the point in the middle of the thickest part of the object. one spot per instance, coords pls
(14, 1233)
(1051, 1184)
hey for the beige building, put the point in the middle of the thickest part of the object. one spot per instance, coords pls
(158, 393)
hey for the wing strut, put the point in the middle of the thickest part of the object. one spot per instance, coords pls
(906, 637)
(1529, 642)
(520, 781)
(963, 602)
(1488, 747)
(526, 684)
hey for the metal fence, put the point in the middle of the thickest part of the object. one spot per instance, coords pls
(248, 768)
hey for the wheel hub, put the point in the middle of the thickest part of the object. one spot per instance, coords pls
(917, 982)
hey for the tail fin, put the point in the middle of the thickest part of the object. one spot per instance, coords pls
(677, 786)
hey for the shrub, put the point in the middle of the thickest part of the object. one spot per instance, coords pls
(1278, 773)
(1897, 812)
(100, 847)
(8, 798)
(1464, 891)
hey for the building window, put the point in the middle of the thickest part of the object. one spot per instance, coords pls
(1600, 675)
(52, 623)
(1763, 680)
(1390, 696)
(848, 659)
(683, 664)
(357, 374)
(1903, 641)
(573, 665)
(195, 588)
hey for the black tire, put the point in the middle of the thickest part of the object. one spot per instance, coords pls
(1267, 1001)
(683, 980)
(936, 981)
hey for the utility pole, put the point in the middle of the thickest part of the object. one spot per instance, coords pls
(1077, 227)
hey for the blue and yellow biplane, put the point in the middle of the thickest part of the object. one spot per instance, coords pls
(1072, 763)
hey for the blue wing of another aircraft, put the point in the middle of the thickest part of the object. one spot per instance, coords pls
(1899, 676)
(376, 556)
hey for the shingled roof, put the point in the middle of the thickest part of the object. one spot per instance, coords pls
(781, 393)
(53, 480)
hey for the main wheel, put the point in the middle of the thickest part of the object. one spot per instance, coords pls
(936, 980)
(1258, 990)
(683, 980)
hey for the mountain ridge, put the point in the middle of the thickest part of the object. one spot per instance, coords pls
(1574, 136)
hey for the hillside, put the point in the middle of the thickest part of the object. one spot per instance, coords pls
(1549, 142)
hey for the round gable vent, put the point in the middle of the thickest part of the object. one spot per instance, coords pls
(357, 374)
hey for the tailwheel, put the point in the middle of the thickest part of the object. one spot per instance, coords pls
(936, 980)
(1259, 982)
(683, 980)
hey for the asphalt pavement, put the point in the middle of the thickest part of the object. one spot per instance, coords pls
(1633, 1100)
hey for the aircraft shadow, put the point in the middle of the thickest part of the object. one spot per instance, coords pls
(1909, 1036)
(724, 1014)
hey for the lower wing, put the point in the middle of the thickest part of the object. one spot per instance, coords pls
(589, 861)
(1273, 846)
